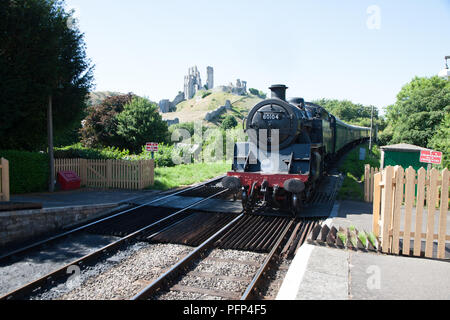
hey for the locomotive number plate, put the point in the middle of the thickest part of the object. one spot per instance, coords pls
(271, 116)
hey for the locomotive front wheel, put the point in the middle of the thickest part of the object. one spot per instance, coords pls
(297, 204)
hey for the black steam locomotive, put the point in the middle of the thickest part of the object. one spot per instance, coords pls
(289, 146)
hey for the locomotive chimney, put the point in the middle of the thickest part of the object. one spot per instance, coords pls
(279, 91)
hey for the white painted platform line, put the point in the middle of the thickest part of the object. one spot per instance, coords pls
(294, 277)
(334, 214)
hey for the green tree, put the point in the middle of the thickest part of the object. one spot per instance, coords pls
(419, 111)
(229, 122)
(139, 123)
(100, 125)
(257, 93)
(441, 140)
(40, 56)
(352, 113)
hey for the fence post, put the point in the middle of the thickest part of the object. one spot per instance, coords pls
(421, 175)
(386, 209)
(443, 214)
(5, 179)
(108, 173)
(367, 183)
(398, 200)
(371, 181)
(409, 202)
(83, 172)
(376, 205)
(431, 204)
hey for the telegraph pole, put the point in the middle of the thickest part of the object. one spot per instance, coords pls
(51, 186)
(371, 130)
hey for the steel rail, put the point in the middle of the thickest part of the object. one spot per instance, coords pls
(164, 279)
(259, 276)
(61, 272)
(72, 231)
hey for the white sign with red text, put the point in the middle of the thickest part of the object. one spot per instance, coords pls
(434, 157)
(152, 147)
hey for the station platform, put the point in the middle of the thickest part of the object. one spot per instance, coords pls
(83, 197)
(322, 273)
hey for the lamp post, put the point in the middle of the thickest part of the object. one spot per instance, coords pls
(445, 73)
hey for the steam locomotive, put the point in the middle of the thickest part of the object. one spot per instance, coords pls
(290, 144)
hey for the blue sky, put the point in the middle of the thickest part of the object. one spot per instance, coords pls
(320, 49)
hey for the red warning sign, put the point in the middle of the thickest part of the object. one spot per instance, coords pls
(152, 147)
(434, 157)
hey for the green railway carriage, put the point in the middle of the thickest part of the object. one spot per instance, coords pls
(346, 134)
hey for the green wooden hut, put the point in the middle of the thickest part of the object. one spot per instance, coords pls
(402, 154)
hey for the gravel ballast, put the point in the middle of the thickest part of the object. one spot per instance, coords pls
(49, 259)
(215, 266)
(125, 275)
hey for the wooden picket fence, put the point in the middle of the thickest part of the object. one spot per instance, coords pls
(397, 190)
(116, 174)
(369, 176)
(4, 175)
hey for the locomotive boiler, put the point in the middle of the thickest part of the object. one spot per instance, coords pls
(289, 146)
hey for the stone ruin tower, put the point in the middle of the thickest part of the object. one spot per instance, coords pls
(210, 81)
(192, 83)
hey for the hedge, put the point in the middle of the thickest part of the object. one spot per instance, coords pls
(78, 151)
(28, 171)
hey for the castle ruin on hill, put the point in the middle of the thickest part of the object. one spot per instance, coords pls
(193, 84)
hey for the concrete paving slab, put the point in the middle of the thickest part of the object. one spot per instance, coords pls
(358, 214)
(326, 276)
(382, 277)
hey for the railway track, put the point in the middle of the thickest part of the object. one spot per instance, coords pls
(265, 240)
(119, 217)
(255, 244)
(144, 229)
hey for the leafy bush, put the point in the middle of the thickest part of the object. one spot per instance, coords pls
(258, 93)
(441, 141)
(189, 126)
(229, 122)
(353, 170)
(28, 171)
(100, 125)
(163, 158)
(78, 151)
(205, 94)
(140, 122)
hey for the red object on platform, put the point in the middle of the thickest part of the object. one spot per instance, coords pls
(69, 180)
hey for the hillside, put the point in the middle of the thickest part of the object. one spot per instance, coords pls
(196, 108)
(97, 97)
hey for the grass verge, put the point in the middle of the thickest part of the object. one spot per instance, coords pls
(187, 174)
(353, 170)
